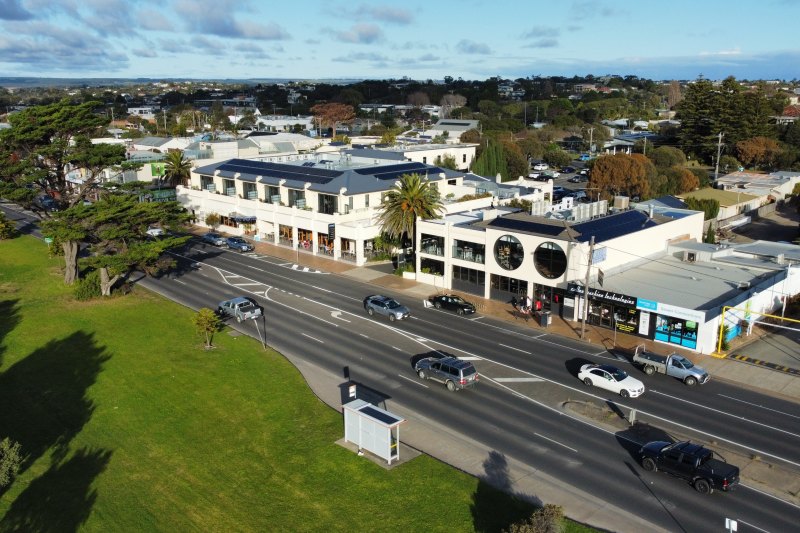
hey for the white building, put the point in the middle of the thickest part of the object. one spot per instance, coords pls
(649, 274)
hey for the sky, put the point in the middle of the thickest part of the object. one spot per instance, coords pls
(430, 39)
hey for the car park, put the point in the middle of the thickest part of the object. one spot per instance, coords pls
(452, 302)
(385, 306)
(456, 374)
(568, 170)
(237, 243)
(213, 238)
(612, 379)
(541, 166)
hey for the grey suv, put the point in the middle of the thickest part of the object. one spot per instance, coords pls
(453, 372)
(383, 305)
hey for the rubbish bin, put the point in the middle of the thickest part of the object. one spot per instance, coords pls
(544, 318)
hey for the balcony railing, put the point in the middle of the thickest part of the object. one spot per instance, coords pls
(467, 254)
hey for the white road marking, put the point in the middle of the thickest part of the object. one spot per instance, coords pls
(518, 380)
(178, 281)
(414, 381)
(555, 442)
(338, 314)
(471, 358)
(513, 348)
(312, 338)
(726, 413)
(757, 405)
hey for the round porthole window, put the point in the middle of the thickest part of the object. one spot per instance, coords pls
(508, 252)
(550, 260)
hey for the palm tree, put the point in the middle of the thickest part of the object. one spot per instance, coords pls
(177, 169)
(411, 198)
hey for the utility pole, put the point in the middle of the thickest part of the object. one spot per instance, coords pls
(719, 150)
(591, 132)
(644, 150)
(586, 289)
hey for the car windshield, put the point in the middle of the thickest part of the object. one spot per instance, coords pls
(391, 304)
(459, 300)
(618, 374)
(685, 363)
(237, 239)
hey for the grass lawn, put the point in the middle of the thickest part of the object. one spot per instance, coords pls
(129, 425)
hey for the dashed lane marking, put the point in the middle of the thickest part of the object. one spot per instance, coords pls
(518, 380)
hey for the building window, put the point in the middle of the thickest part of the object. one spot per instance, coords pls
(676, 331)
(431, 266)
(468, 280)
(431, 244)
(508, 252)
(468, 251)
(550, 260)
(503, 288)
(424, 160)
(273, 195)
(328, 204)
(297, 198)
(366, 200)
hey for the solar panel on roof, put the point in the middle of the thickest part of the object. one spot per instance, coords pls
(276, 170)
(384, 417)
(613, 226)
(529, 226)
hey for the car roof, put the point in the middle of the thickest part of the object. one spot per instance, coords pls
(379, 297)
(607, 368)
(240, 299)
(453, 361)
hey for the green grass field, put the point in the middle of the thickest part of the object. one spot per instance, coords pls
(129, 425)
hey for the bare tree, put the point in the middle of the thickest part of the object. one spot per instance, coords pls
(450, 102)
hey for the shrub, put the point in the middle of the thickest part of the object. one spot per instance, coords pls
(88, 287)
(10, 459)
(547, 519)
(7, 228)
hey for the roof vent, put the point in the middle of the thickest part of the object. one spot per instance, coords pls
(689, 257)
(744, 285)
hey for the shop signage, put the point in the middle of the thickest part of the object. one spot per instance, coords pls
(599, 255)
(650, 305)
(604, 296)
(331, 232)
(644, 323)
(680, 312)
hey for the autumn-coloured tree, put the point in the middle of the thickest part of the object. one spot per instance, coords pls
(450, 102)
(758, 151)
(623, 174)
(332, 114)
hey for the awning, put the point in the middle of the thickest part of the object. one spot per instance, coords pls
(242, 219)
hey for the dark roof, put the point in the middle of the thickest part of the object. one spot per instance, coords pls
(393, 172)
(602, 229)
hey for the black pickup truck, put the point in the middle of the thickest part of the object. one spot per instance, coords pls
(692, 462)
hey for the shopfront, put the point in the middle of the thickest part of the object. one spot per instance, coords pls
(671, 324)
(610, 310)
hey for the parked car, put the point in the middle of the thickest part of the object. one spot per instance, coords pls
(388, 307)
(155, 232)
(451, 302)
(612, 379)
(568, 170)
(584, 157)
(240, 308)
(452, 371)
(46, 202)
(213, 238)
(237, 243)
(578, 179)
(673, 364)
(541, 166)
(691, 462)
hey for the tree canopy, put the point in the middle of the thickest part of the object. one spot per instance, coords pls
(411, 198)
(46, 143)
(622, 174)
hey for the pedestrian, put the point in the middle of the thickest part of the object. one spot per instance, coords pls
(514, 302)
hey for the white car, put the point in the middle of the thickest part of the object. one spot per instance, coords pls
(541, 166)
(612, 379)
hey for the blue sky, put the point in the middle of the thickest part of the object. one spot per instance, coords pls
(431, 39)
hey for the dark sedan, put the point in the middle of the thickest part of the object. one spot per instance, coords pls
(452, 302)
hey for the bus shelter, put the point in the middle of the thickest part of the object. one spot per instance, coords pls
(373, 429)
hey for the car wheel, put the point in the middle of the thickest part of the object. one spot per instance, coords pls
(702, 486)
(624, 393)
(238, 319)
(438, 305)
(587, 382)
(370, 311)
(392, 318)
(691, 381)
(451, 386)
(649, 465)
(460, 312)
(421, 374)
(649, 370)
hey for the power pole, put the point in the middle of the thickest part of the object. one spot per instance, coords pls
(719, 149)
(644, 150)
(586, 289)
(591, 132)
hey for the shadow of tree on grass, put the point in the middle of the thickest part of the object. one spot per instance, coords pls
(43, 400)
(494, 506)
(9, 318)
(62, 498)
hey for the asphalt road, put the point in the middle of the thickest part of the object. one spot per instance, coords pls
(526, 377)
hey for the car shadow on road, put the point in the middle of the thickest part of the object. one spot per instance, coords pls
(574, 365)
(438, 354)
